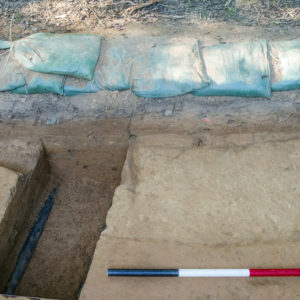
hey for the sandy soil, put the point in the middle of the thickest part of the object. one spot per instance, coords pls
(86, 157)
(184, 205)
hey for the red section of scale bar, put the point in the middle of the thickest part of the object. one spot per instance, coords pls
(274, 272)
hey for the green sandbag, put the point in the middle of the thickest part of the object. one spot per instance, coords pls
(169, 70)
(11, 82)
(76, 86)
(10, 77)
(113, 71)
(41, 83)
(5, 44)
(237, 70)
(285, 65)
(20, 80)
(64, 54)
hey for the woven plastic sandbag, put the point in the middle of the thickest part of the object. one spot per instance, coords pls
(111, 73)
(64, 54)
(10, 77)
(37, 83)
(285, 65)
(5, 44)
(169, 70)
(14, 77)
(76, 86)
(114, 68)
(240, 69)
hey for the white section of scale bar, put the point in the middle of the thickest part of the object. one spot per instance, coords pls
(214, 273)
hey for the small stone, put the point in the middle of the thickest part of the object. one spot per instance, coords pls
(52, 121)
(114, 95)
(169, 110)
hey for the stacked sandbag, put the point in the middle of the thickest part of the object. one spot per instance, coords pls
(11, 76)
(64, 54)
(148, 70)
(41, 62)
(240, 69)
(36, 83)
(285, 65)
(73, 64)
(169, 70)
(112, 72)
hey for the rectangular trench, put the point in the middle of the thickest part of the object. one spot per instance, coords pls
(85, 162)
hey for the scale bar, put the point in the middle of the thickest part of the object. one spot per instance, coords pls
(204, 272)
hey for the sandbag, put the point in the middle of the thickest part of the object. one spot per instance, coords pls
(10, 77)
(34, 64)
(169, 70)
(285, 65)
(5, 44)
(64, 54)
(76, 86)
(36, 83)
(240, 69)
(14, 77)
(114, 69)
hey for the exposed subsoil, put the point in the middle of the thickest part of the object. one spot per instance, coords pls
(86, 158)
(183, 203)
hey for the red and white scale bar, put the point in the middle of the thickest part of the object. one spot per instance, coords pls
(204, 272)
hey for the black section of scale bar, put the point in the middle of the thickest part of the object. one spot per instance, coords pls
(30, 244)
(144, 272)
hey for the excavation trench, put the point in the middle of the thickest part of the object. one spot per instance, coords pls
(84, 160)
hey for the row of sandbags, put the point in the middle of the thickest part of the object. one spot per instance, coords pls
(70, 64)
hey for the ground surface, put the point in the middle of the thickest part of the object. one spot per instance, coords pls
(183, 205)
(94, 15)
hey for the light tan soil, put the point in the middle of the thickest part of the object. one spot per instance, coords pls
(86, 158)
(184, 205)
